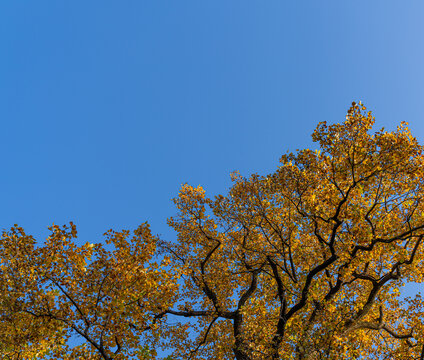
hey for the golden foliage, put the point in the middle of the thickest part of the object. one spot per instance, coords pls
(304, 263)
(110, 298)
(307, 262)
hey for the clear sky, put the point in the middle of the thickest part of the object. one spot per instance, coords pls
(107, 107)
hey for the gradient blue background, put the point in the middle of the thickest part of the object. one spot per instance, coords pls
(107, 107)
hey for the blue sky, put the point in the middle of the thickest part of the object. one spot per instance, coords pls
(107, 107)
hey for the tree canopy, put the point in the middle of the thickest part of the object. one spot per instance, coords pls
(304, 263)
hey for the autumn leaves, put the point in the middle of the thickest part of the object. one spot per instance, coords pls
(304, 263)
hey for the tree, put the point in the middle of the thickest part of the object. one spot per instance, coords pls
(307, 262)
(109, 298)
(304, 263)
